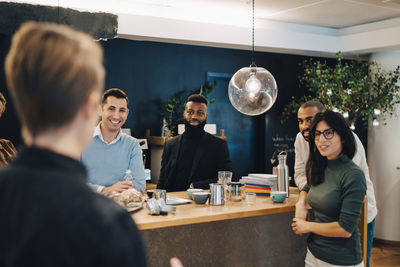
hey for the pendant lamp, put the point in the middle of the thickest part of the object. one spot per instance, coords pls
(252, 90)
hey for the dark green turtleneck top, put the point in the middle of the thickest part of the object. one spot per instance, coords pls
(339, 198)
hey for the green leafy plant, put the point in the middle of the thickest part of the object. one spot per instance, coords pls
(358, 89)
(175, 105)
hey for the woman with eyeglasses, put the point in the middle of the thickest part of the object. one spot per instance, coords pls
(336, 190)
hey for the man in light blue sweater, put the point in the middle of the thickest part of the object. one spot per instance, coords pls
(112, 152)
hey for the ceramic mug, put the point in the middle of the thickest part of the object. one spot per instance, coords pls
(190, 191)
(278, 196)
(200, 197)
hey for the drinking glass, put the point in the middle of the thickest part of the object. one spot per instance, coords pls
(249, 198)
(161, 194)
(225, 177)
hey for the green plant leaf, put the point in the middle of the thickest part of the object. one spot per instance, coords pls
(370, 87)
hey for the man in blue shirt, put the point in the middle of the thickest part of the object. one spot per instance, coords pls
(112, 152)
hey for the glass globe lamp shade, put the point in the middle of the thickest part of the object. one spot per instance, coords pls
(252, 90)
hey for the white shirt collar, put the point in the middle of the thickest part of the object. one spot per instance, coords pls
(97, 132)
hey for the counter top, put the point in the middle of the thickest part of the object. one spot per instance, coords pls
(196, 213)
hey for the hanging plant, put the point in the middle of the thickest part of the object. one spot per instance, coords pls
(357, 89)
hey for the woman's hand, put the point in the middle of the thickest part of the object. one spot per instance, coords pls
(300, 226)
(331, 229)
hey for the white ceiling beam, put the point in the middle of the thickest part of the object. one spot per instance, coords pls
(371, 37)
(270, 36)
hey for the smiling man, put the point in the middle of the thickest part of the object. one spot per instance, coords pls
(112, 152)
(195, 157)
(305, 115)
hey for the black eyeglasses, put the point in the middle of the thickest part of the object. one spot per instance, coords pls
(328, 134)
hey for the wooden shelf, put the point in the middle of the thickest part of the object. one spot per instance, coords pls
(157, 140)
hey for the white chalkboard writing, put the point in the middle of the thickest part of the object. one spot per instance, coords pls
(281, 143)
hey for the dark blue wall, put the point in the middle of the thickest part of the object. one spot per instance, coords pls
(151, 72)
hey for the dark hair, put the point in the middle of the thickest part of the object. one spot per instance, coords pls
(314, 103)
(316, 163)
(115, 92)
(197, 98)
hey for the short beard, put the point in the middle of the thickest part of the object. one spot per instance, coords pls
(307, 138)
(194, 129)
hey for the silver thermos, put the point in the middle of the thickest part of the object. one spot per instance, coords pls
(283, 173)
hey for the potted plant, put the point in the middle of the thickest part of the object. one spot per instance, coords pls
(357, 89)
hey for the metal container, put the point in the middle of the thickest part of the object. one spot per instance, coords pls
(236, 191)
(217, 194)
(283, 173)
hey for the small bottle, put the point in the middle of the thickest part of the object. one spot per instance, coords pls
(128, 176)
(283, 173)
(164, 128)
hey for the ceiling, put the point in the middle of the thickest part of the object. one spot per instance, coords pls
(293, 26)
(324, 13)
(334, 13)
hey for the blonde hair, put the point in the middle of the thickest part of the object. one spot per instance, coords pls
(50, 70)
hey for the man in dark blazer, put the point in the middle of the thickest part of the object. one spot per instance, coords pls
(195, 157)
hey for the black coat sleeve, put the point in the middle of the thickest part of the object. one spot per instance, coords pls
(224, 159)
(224, 163)
(161, 184)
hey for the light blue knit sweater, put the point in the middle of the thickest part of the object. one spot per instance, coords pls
(107, 163)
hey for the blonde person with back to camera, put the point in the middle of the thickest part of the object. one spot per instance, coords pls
(49, 215)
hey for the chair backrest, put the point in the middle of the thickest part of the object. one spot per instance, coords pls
(363, 229)
(222, 134)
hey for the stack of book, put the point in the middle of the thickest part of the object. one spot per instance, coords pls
(260, 183)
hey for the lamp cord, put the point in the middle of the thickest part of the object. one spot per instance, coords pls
(252, 47)
(58, 11)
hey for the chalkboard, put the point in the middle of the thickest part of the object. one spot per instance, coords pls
(280, 137)
(283, 143)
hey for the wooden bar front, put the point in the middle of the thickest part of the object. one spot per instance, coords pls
(229, 235)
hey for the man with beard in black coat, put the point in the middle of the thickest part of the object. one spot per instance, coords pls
(195, 157)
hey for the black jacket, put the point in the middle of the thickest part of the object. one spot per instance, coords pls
(50, 217)
(212, 155)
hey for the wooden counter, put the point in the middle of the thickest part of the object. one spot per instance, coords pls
(227, 235)
(196, 213)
